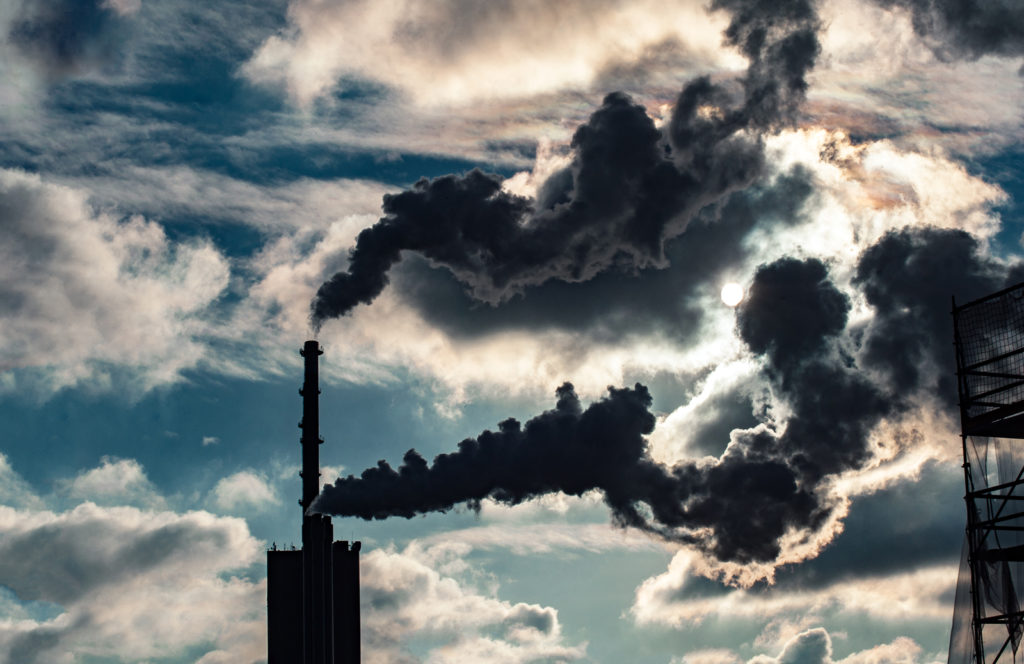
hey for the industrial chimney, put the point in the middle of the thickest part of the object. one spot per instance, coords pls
(313, 593)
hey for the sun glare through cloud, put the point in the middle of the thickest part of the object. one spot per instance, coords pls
(732, 294)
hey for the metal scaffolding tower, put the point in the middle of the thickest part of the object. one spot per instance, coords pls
(988, 623)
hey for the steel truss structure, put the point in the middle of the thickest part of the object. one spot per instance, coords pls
(988, 623)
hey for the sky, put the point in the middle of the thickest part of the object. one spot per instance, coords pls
(508, 224)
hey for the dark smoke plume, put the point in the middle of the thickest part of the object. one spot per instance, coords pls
(515, 463)
(630, 186)
(967, 28)
(771, 480)
(573, 450)
(767, 482)
(614, 304)
(908, 277)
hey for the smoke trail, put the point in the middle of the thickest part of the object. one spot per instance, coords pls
(765, 485)
(514, 463)
(630, 186)
(772, 480)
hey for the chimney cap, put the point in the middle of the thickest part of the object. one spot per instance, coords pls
(310, 346)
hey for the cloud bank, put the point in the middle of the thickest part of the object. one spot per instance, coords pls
(129, 295)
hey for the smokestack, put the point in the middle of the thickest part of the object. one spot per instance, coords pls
(313, 593)
(310, 424)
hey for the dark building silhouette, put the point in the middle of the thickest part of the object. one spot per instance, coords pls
(313, 593)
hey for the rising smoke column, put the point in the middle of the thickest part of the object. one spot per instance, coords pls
(768, 482)
(629, 188)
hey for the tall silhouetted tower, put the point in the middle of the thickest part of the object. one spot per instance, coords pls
(313, 593)
(988, 624)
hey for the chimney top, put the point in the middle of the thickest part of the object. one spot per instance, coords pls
(311, 346)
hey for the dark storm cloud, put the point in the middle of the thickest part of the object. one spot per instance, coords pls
(765, 485)
(628, 190)
(908, 277)
(967, 28)
(67, 37)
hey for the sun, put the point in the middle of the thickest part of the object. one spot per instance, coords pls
(732, 294)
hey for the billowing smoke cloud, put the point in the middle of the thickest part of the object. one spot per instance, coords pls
(772, 481)
(782, 294)
(908, 277)
(967, 28)
(565, 449)
(762, 487)
(615, 304)
(629, 188)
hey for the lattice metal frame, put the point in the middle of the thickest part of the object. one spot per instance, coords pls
(989, 341)
(989, 336)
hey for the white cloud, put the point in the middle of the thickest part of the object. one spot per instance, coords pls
(408, 600)
(328, 474)
(440, 53)
(811, 647)
(14, 490)
(877, 76)
(133, 584)
(708, 656)
(245, 490)
(210, 440)
(905, 596)
(123, 7)
(673, 439)
(545, 538)
(86, 295)
(814, 646)
(113, 482)
(141, 584)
